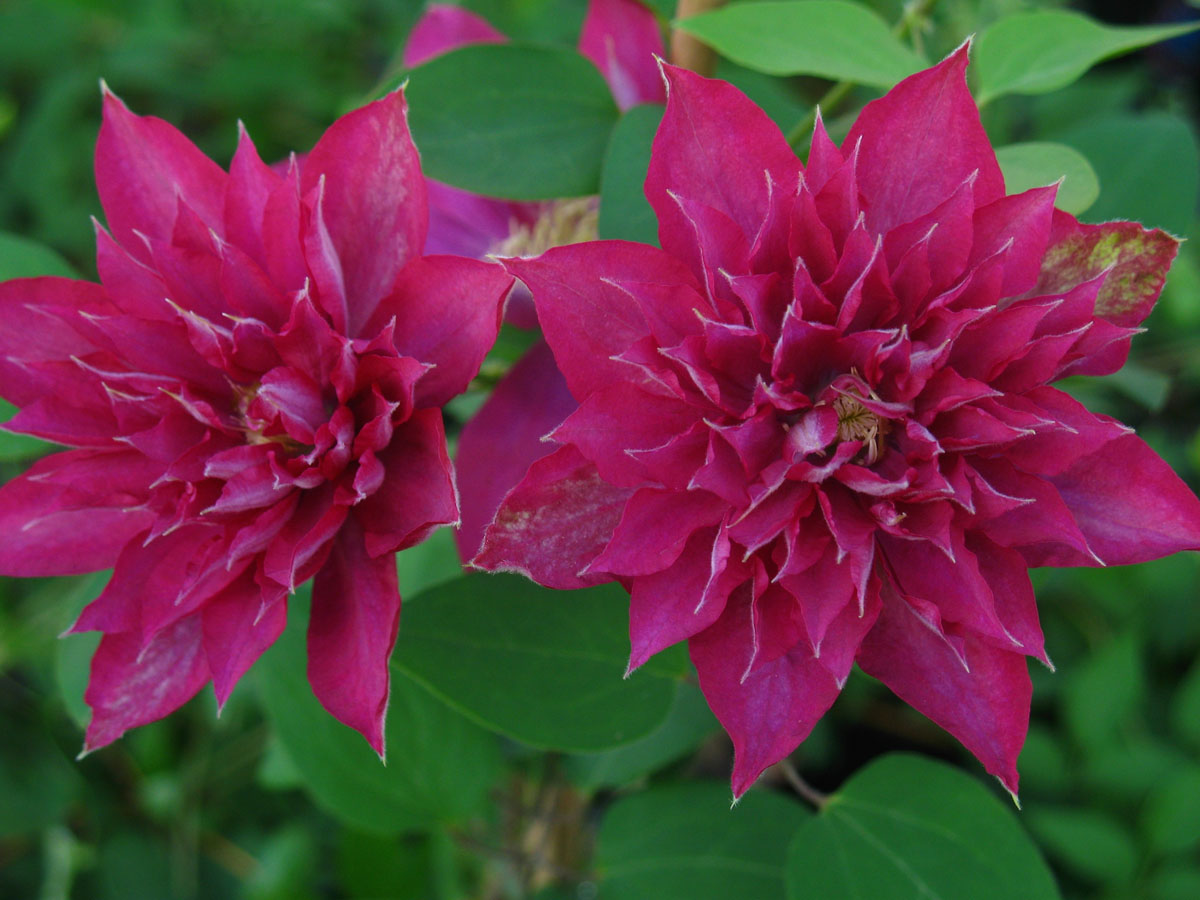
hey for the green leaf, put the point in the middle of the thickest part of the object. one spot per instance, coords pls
(1106, 690)
(683, 842)
(23, 258)
(1035, 52)
(907, 826)
(1040, 163)
(625, 213)
(834, 40)
(440, 766)
(544, 667)
(514, 121)
(1148, 165)
(1185, 708)
(1091, 844)
(432, 562)
(688, 723)
(1171, 816)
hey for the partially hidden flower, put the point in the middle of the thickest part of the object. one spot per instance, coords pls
(622, 38)
(253, 390)
(816, 428)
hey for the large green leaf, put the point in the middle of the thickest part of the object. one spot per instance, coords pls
(908, 827)
(625, 213)
(23, 258)
(510, 120)
(835, 40)
(683, 842)
(687, 724)
(544, 667)
(1039, 163)
(1035, 52)
(439, 767)
(1148, 165)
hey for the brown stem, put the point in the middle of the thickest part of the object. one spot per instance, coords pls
(802, 787)
(686, 50)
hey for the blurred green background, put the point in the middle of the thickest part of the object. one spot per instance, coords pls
(195, 807)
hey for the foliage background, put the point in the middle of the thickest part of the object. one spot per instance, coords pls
(198, 807)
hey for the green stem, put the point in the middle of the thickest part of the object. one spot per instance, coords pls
(915, 14)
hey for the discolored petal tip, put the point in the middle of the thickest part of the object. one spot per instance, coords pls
(1134, 258)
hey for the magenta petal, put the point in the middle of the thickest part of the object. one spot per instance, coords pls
(715, 149)
(919, 143)
(417, 494)
(351, 632)
(502, 440)
(623, 39)
(444, 28)
(238, 624)
(79, 520)
(654, 528)
(683, 600)
(132, 685)
(447, 312)
(985, 706)
(586, 316)
(768, 711)
(144, 166)
(555, 522)
(374, 199)
(1129, 503)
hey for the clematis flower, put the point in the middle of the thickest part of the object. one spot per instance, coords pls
(253, 393)
(623, 39)
(817, 429)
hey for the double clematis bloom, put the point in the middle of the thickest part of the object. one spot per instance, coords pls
(816, 428)
(253, 391)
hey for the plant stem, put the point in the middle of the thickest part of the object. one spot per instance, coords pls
(802, 787)
(686, 51)
(915, 13)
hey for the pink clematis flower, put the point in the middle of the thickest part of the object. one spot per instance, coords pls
(254, 392)
(623, 39)
(816, 428)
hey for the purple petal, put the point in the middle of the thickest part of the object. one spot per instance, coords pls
(447, 311)
(374, 201)
(586, 316)
(132, 685)
(238, 624)
(417, 494)
(555, 522)
(768, 711)
(351, 632)
(981, 697)
(503, 439)
(444, 28)
(144, 166)
(623, 39)
(919, 143)
(715, 149)
(73, 512)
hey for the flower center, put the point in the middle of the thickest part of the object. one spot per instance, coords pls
(857, 423)
(563, 222)
(263, 426)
